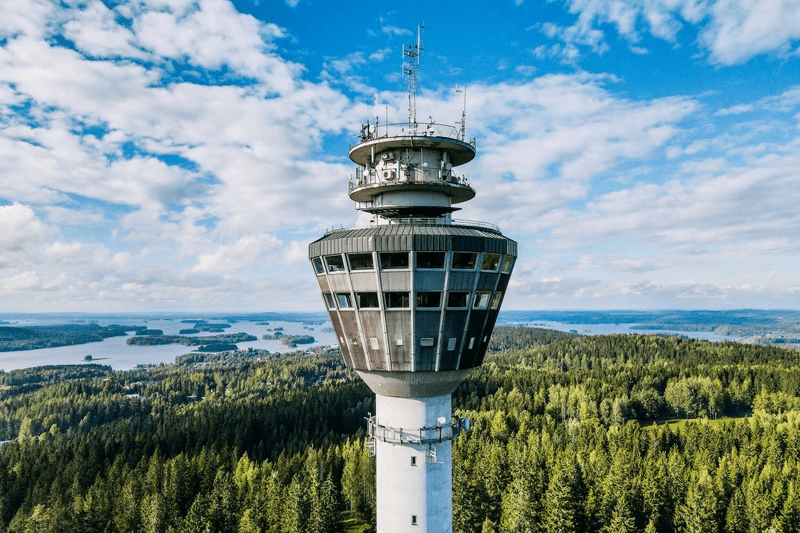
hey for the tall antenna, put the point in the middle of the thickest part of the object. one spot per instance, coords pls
(413, 63)
(463, 132)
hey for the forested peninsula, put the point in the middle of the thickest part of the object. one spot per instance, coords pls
(35, 337)
(569, 433)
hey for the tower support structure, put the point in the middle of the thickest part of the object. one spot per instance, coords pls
(413, 298)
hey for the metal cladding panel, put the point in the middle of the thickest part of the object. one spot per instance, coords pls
(352, 338)
(396, 281)
(323, 284)
(462, 280)
(475, 330)
(479, 355)
(432, 243)
(426, 326)
(364, 281)
(503, 282)
(429, 280)
(341, 335)
(339, 282)
(412, 237)
(453, 328)
(487, 281)
(372, 324)
(398, 326)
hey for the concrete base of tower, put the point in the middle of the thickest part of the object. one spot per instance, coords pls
(414, 475)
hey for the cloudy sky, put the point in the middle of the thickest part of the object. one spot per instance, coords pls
(179, 155)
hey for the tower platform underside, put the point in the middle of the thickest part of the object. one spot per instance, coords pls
(413, 297)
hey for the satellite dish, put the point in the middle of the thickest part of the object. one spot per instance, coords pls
(441, 420)
(465, 424)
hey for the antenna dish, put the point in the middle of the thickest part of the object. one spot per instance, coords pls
(441, 420)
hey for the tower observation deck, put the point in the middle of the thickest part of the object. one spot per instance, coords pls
(413, 299)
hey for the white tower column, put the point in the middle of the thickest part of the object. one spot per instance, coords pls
(413, 451)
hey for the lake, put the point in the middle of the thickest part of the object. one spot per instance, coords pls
(120, 356)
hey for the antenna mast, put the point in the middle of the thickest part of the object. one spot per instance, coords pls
(463, 132)
(413, 63)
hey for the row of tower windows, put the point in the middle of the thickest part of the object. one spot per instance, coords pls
(425, 300)
(400, 260)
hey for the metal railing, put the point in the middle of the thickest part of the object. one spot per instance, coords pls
(371, 132)
(423, 435)
(421, 222)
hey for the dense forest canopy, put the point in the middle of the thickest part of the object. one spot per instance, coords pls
(570, 433)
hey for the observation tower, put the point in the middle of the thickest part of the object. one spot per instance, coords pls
(413, 299)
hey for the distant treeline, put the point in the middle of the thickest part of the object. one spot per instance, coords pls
(291, 341)
(36, 337)
(190, 341)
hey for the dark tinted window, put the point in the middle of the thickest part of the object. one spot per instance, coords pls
(490, 262)
(464, 260)
(366, 299)
(457, 298)
(429, 299)
(430, 259)
(335, 263)
(397, 300)
(394, 260)
(360, 261)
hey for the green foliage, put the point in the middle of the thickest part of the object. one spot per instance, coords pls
(254, 442)
(36, 337)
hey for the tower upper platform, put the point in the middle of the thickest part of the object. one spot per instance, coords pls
(406, 170)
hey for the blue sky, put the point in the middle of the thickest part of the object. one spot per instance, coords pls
(179, 155)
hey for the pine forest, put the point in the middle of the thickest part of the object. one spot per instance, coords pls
(617, 433)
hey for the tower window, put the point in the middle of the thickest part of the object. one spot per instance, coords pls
(507, 264)
(393, 261)
(429, 299)
(457, 298)
(367, 300)
(318, 268)
(373, 343)
(430, 259)
(482, 299)
(335, 263)
(395, 300)
(344, 299)
(360, 261)
(329, 301)
(451, 344)
(496, 300)
(464, 260)
(413, 460)
(413, 520)
(490, 262)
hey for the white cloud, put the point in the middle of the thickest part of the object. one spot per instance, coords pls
(732, 31)
(20, 229)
